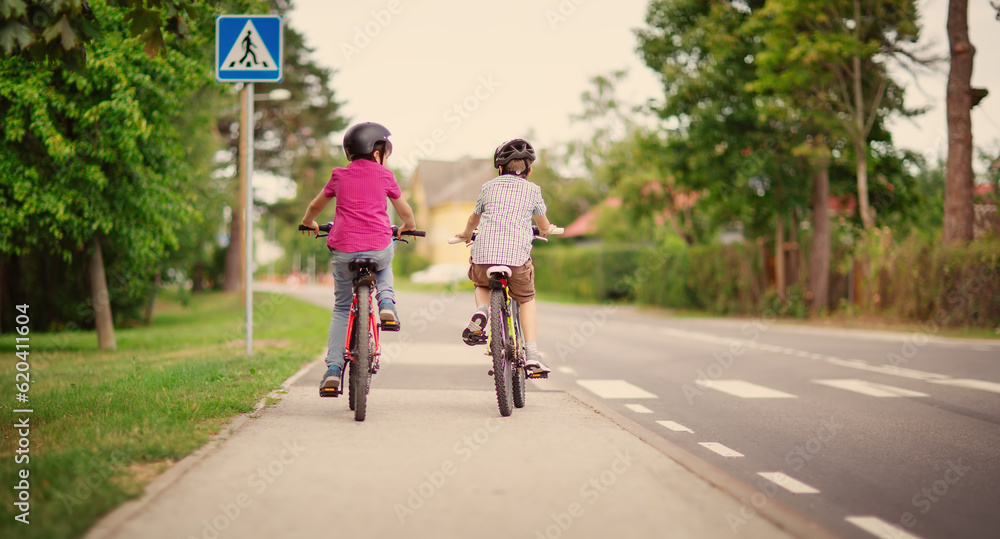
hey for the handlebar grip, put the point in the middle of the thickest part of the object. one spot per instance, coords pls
(325, 227)
(455, 239)
(304, 227)
(419, 233)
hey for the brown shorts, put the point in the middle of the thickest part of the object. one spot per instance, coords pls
(521, 281)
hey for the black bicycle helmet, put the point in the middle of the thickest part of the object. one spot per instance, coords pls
(360, 139)
(517, 148)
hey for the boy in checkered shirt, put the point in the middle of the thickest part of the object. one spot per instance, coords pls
(503, 215)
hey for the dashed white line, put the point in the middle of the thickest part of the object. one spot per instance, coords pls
(720, 449)
(745, 390)
(615, 389)
(677, 427)
(887, 369)
(870, 388)
(971, 384)
(638, 408)
(880, 528)
(788, 483)
(566, 370)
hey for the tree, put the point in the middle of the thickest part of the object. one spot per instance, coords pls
(840, 50)
(90, 161)
(958, 204)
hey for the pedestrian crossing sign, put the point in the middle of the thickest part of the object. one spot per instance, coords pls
(248, 48)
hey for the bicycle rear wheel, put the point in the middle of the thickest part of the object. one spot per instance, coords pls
(502, 375)
(517, 357)
(359, 368)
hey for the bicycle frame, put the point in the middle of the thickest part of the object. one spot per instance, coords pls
(511, 323)
(373, 325)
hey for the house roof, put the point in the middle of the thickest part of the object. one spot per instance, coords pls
(453, 181)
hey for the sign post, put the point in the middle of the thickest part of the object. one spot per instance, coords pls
(248, 49)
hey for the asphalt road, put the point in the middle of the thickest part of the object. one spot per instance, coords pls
(869, 434)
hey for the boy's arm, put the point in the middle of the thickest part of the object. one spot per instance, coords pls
(315, 208)
(469, 227)
(405, 212)
(543, 224)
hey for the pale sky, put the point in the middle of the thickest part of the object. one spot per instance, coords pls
(451, 78)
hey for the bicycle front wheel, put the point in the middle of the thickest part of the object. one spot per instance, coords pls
(360, 367)
(502, 369)
(517, 357)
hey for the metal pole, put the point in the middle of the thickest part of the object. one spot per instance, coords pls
(248, 218)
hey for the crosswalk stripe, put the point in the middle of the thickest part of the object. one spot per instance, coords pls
(638, 408)
(720, 449)
(971, 384)
(676, 427)
(743, 389)
(870, 388)
(615, 389)
(880, 528)
(788, 483)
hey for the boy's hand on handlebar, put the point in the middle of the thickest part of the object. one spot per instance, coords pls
(312, 225)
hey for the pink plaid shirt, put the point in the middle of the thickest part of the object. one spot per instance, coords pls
(361, 222)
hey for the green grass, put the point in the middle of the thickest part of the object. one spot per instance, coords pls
(106, 423)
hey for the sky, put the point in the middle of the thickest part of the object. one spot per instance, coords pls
(455, 78)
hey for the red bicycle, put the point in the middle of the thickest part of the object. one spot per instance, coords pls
(362, 348)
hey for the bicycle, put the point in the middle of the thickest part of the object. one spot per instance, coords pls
(505, 338)
(362, 354)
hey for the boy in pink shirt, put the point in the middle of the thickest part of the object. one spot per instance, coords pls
(361, 229)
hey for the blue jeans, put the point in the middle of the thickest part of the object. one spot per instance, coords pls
(343, 289)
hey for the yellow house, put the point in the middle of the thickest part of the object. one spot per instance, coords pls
(444, 195)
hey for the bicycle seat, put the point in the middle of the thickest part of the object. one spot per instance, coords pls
(503, 270)
(358, 263)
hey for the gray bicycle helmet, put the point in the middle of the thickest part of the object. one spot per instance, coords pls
(517, 148)
(360, 139)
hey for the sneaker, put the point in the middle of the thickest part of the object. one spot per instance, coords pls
(475, 332)
(533, 362)
(387, 313)
(330, 385)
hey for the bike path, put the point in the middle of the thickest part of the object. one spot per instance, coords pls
(433, 460)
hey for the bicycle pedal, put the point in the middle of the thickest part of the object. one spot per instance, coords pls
(390, 326)
(324, 392)
(538, 375)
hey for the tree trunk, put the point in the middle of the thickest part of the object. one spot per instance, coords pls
(232, 280)
(151, 304)
(861, 134)
(102, 303)
(198, 277)
(779, 256)
(819, 259)
(958, 209)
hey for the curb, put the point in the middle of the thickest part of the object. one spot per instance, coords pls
(777, 513)
(112, 521)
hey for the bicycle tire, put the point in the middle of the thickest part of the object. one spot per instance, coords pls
(498, 348)
(350, 386)
(359, 369)
(519, 380)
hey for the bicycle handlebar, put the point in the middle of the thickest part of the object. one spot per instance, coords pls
(327, 227)
(553, 231)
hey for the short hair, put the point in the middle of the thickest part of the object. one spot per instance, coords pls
(516, 166)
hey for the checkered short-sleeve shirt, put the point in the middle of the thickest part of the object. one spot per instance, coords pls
(506, 205)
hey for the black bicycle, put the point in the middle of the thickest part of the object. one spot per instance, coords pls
(505, 339)
(362, 348)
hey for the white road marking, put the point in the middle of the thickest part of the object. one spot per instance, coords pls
(720, 449)
(870, 388)
(615, 389)
(745, 390)
(802, 353)
(887, 369)
(566, 370)
(676, 427)
(971, 384)
(788, 483)
(638, 408)
(880, 528)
